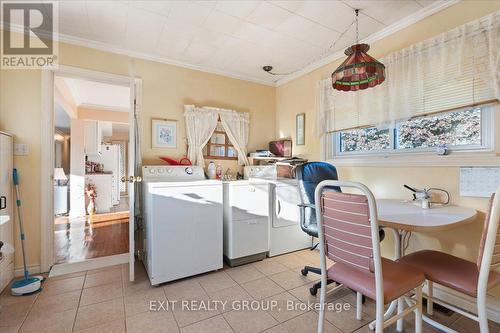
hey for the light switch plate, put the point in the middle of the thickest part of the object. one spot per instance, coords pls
(21, 149)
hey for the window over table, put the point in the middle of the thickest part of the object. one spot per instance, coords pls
(466, 129)
(219, 147)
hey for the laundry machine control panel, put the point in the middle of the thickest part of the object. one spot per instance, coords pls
(172, 173)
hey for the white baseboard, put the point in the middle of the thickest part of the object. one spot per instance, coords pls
(466, 302)
(67, 268)
(35, 269)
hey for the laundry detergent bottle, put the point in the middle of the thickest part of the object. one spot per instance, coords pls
(211, 170)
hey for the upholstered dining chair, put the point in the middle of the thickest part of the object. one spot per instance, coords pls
(470, 278)
(349, 235)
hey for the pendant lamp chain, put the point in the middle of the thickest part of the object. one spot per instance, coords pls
(357, 25)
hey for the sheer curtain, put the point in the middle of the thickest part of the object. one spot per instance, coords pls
(200, 125)
(236, 125)
(458, 68)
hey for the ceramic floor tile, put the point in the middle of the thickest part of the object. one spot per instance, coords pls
(67, 276)
(152, 322)
(232, 297)
(116, 326)
(287, 307)
(101, 293)
(103, 277)
(307, 323)
(136, 287)
(105, 269)
(56, 303)
(245, 273)
(216, 281)
(10, 329)
(57, 322)
(99, 313)
(216, 324)
(144, 301)
(270, 266)
(292, 260)
(304, 294)
(262, 288)
(249, 321)
(54, 287)
(14, 314)
(343, 316)
(7, 299)
(466, 325)
(292, 279)
(189, 311)
(183, 289)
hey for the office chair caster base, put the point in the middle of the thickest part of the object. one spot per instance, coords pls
(313, 291)
(304, 271)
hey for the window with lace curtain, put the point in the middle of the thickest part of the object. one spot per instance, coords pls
(219, 147)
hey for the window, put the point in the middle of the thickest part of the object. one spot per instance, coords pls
(219, 147)
(466, 129)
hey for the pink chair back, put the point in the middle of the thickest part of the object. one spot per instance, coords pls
(495, 259)
(347, 230)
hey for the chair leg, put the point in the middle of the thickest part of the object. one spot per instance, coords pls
(321, 319)
(399, 323)
(359, 306)
(379, 317)
(430, 293)
(482, 313)
(418, 310)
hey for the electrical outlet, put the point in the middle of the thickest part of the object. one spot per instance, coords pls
(21, 149)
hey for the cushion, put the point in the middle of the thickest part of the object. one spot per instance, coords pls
(449, 271)
(398, 279)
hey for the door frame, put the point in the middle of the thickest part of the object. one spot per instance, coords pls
(47, 149)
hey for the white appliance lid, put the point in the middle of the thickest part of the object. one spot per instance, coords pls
(172, 173)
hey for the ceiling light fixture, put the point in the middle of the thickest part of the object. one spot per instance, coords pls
(269, 69)
(359, 71)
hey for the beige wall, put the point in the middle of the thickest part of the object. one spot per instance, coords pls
(298, 96)
(103, 115)
(166, 89)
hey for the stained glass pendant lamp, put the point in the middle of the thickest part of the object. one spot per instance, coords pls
(359, 71)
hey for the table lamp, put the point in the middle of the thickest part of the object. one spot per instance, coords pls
(59, 175)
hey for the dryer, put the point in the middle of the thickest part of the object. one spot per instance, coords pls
(182, 214)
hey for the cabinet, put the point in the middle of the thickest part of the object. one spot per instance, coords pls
(104, 184)
(92, 137)
(246, 222)
(6, 211)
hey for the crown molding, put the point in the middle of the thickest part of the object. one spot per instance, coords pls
(63, 38)
(387, 31)
(399, 25)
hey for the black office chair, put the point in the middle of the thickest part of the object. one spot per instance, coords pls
(309, 176)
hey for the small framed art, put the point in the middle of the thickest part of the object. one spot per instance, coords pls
(163, 133)
(300, 129)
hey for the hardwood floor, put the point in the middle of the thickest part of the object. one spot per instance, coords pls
(77, 239)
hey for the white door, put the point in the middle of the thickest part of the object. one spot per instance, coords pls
(131, 177)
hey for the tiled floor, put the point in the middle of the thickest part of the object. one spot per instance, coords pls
(104, 301)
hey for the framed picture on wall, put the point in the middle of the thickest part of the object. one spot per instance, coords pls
(300, 129)
(163, 133)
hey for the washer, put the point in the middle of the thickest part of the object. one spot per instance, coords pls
(182, 214)
(285, 233)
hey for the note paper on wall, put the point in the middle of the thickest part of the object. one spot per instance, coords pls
(479, 181)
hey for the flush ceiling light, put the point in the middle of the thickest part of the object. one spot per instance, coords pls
(359, 71)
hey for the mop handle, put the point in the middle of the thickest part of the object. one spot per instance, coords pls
(15, 178)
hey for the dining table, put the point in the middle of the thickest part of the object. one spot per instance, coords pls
(403, 217)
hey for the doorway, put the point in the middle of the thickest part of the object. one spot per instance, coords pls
(89, 220)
